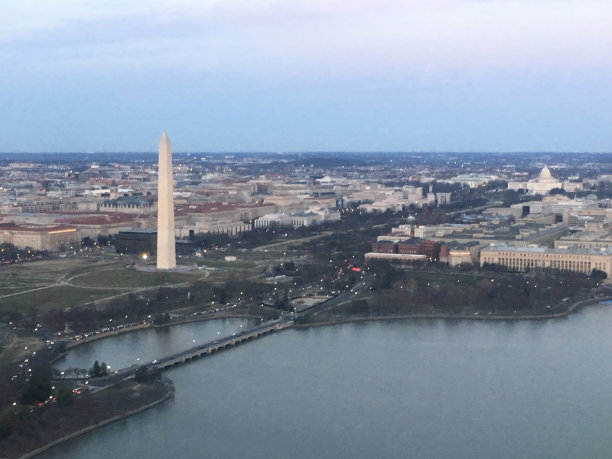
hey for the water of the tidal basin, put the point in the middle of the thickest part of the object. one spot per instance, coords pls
(142, 346)
(429, 389)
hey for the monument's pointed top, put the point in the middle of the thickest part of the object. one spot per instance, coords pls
(165, 138)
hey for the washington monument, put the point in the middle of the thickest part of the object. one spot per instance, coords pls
(166, 253)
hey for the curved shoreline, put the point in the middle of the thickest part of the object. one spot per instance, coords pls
(108, 334)
(169, 394)
(186, 320)
(421, 316)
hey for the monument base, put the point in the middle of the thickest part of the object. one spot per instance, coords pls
(153, 268)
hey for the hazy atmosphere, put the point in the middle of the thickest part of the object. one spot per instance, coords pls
(264, 75)
(305, 228)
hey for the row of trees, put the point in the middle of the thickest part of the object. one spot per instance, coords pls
(40, 389)
(596, 274)
(98, 370)
(100, 241)
(140, 306)
(408, 291)
(144, 374)
(10, 253)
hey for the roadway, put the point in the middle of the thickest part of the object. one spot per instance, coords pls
(366, 282)
(203, 349)
(285, 321)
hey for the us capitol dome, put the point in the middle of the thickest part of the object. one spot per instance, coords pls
(544, 183)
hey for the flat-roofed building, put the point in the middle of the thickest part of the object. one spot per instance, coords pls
(142, 241)
(586, 240)
(410, 246)
(129, 205)
(472, 180)
(430, 249)
(52, 238)
(397, 257)
(538, 257)
(92, 225)
(384, 247)
(217, 218)
(458, 253)
(298, 219)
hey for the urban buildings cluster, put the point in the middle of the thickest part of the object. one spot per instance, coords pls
(558, 222)
(555, 233)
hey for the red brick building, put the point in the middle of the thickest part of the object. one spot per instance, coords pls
(430, 249)
(413, 246)
(384, 247)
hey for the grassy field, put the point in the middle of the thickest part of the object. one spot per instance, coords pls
(250, 261)
(56, 297)
(61, 283)
(279, 246)
(12, 346)
(445, 277)
(25, 276)
(45, 285)
(125, 278)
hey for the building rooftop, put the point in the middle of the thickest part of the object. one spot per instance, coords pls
(101, 219)
(542, 249)
(35, 228)
(139, 231)
(588, 236)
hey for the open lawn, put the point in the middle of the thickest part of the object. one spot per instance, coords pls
(56, 297)
(436, 276)
(61, 283)
(42, 286)
(278, 246)
(252, 261)
(13, 346)
(20, 277)
(125, 278)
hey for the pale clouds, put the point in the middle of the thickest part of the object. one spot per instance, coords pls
(271, 75)
(336, 37)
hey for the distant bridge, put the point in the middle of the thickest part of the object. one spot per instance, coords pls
(218, 345)
(211, 347)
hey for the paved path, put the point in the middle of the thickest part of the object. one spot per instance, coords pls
(292, 241)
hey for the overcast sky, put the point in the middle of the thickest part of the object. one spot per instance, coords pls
(306, 75)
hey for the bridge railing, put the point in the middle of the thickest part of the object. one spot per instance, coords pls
(220, 343)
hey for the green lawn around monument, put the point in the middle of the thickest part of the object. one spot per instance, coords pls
(121, 277)
(60, 297)
(20, 277)
(62, 283)
(249, 261)
(70, 282)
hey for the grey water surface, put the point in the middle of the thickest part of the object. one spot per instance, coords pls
(404, 389)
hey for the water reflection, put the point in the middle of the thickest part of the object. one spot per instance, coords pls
(141, 346)
(395, 389)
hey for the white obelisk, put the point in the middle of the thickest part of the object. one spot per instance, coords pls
(166, 253)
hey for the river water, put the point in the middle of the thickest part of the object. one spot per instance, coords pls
(422, 389)
(124, 350)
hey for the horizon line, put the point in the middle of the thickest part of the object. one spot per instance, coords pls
(297, 152)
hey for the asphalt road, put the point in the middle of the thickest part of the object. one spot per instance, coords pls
(358, 288)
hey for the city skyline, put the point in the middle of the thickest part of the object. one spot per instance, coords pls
(268, 243)
(309, 76)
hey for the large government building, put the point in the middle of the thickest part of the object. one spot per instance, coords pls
(534, 257)
(544, 184)
(53, 238)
